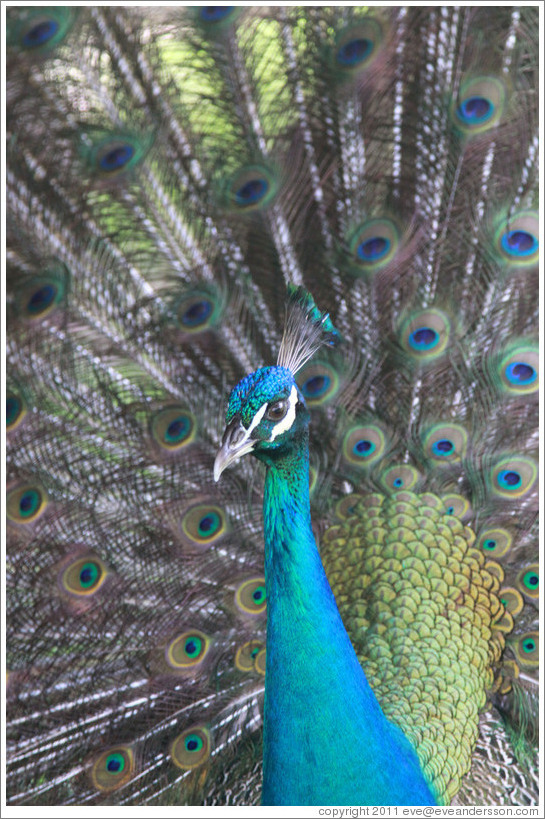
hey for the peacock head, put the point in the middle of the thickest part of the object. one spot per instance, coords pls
(267, 414)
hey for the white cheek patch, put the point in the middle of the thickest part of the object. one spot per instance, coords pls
(256, 420)
(245, 443)
(289, 418)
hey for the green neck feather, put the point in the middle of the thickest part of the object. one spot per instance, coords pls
(326, 740)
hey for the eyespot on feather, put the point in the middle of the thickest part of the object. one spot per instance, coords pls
(495, 542)
(25, 504)
(512, 600)
(364, 445)
(16, 410)
(251, 596)
(191, 748)
(246, 654)
(400, 477)
(215, 16)
(345, 507)
(112, 155)
(373, 245)
(38, 31)
(479, 105)
(356, 46)
(204, 524)
(457, 505)
(113, 768)
(519, 370)
(251, 188)
(260, 661)
(84, 576)
(528, 581)
(445, 443)
(173, 428)
(40, 297)
(198, 312)
(513, 477)
(517, 240)
(526, 649)
(425, 335)
(187, 650)
(319, 383)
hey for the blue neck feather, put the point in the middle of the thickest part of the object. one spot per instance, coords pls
(326, 740)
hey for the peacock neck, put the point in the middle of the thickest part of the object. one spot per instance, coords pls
(326, 740)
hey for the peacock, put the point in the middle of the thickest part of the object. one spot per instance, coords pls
(271, 405)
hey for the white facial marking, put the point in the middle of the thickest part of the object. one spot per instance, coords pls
(245, 443)
(256, 419)
(289, 418)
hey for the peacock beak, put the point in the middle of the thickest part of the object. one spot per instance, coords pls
(236, 442)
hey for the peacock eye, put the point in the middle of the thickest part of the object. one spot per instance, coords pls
(277, 410)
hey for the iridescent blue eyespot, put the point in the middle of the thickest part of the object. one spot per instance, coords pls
(519, 243)
(252, 187)
(209, 524)
(373, 249)
(116, 158)
(354, 51)
(41, 299)
(173, 428)
(193, 646)
(177, 430)
(498, 541)
(113, 769)
(251, 596)
(197, 313)
(191, 748)
(373, 245)
(443, 448)
(516, 239)
(425, 338)
(357, 46)
(316, 386)
(211, 14)
(475, 110)
(115, 763)
(509, 479)
(364, 445)
(29, 503)
(364, 448)
(520, 373)
(203, 524)
(193, 743)
(479, 104)
(83, 577)
(14, 407)
(40, 34)
(25, 503)
(402, 476)
(252, 192)
(89, 574)
(425, 334)
(187, 650)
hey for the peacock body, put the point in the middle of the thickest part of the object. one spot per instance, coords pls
(170, 171)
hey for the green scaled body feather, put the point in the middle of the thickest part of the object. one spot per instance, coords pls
(170, 172)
